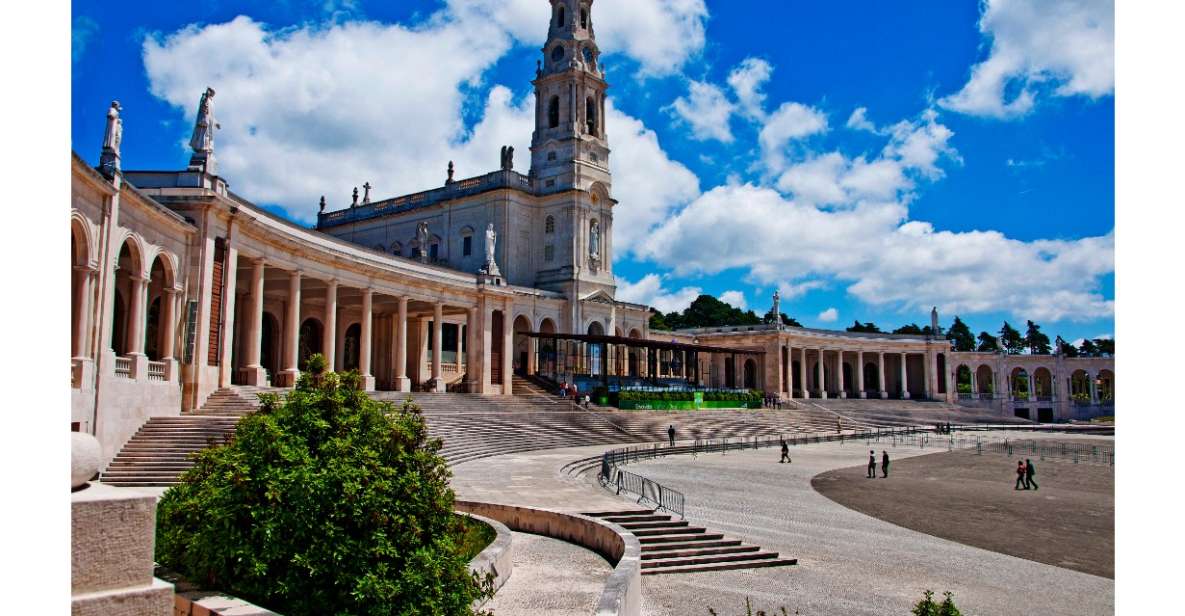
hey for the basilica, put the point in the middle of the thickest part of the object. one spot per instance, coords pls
(182, 288)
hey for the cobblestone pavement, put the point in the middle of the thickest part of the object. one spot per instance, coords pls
(849, 563)
(540, 588)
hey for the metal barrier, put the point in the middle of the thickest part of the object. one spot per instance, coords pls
(646, 489)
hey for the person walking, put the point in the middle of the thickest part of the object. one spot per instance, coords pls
(785, 451)
(564, 390)
(1029, 472)
(884, 464)
(871, 464)
(1020, 475)
(671, 434)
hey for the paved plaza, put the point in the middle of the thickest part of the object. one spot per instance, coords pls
(849, 562)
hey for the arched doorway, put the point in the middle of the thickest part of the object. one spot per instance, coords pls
(80, 289)
(547, 349)
(160, 281)
(522, 345)
(985, 381)
(963, 384)
(351, 347)
(1043, 384)
(595, 360)
(268, 352)
(1105, 383)
(871, 377)
(1018, 382)
(1080, 387)
(309, 340)
(750, 374)
(128, 274)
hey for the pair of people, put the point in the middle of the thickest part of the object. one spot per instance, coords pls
(872, 464)
(1024, 475)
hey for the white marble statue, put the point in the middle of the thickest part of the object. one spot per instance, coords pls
(491, 266)
(204, 126)
(423, 238)
(594, 241)
(777, 311)
(112, 136)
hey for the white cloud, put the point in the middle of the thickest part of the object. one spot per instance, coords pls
(304, 113)
(706, 110)
(885, 259)
(859, 121)
(790, 122)
(649, 291)
(830, 315)
(746, 81)
(789, 291)
(661, 35)
(735, 299)
(1064, 47)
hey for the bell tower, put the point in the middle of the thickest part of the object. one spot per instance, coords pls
(569, 148)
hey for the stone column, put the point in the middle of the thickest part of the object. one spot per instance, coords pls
(904, 378)
(168, 310)
(366, 339)
(860, 393)
(508, 352)
(822, 377)
(806, 391)
(230, 282)
(402, 383)
(1032, 386)
(136, 320)
(329, 329)
(880, 366)
(1094, 388)
(254, 373)
(473, 361)
(437, 347)
(839, 374)
(291, 370)
(974, 384)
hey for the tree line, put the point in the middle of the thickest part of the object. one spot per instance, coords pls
(708, 311)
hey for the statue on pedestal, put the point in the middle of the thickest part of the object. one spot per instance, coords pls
(366, 196)
(507, 158)
(112, 136)
(202, 141)
(451, 170)
(777, 310)
(594, 241)
(423, 238)
(491, 267)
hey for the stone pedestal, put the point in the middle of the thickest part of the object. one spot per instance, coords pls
(287, 378)
(139, 366)
(402, 384)
(437, 385)
(368, 383)
(863, 395)
(256, 376)
(111, 554)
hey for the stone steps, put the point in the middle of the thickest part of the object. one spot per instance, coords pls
(670, 546)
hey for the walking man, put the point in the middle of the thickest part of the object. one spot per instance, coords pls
(1029, 472)
(671, 434)
(785, 451)
(884, 464)
(871, 464)
(1020, 475)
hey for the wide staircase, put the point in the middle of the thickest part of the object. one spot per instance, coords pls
(675, 546)
(473, 426)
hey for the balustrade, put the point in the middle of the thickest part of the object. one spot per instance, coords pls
(123, 367)
(156, 371)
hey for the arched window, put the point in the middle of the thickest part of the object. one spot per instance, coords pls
(466, 242)
(584, 18)
(549, 225)
(553, 112)
(590, 113)
(557, 54)
(559, 18)
(434, 249)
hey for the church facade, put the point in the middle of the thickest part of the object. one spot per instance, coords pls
(180, 287)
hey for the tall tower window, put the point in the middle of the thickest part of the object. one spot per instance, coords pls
(559, 18)
(584, 18)
(557, 54)
(549, 225)
(590, 112)
(553, 112)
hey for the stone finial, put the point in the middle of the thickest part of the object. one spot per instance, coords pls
(112, 136)
(355, 202)
(202, 140)
(451, 170)
(366, 196)
(85, 457)
(322, 204)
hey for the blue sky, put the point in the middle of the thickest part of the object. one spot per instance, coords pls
(978, 176)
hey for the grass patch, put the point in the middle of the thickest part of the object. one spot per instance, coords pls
(472, 536)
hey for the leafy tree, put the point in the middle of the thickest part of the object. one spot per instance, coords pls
(326, 503)
(865, 328)
(961, 335)
(1106, 346)
(1066, 349)
(988, 343)
(658, 321)
(1088, 348)
(708, 311)
(1011, 340)
(1037, 342)
(911, 329)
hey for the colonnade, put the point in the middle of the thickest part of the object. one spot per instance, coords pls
(820, 373)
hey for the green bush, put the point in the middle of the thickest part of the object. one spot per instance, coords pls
(327, 503)
(927, 607)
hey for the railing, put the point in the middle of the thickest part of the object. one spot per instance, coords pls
(646, 489)
(156, 371)
(455, 190)
(123, 367)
